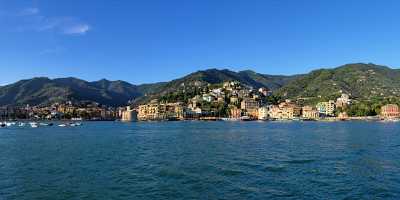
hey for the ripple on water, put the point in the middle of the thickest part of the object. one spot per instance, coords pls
(300, 161)
(276, 168)
(231, 172)
(171, 173)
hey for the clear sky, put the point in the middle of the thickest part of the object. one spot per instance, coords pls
(158, 40)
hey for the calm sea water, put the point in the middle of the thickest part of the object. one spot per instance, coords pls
(202, 160)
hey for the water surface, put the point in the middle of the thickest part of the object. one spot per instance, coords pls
(202, 160)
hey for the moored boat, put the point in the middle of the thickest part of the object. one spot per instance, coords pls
(34, 124)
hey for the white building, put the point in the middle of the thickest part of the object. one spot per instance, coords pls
(263, 113)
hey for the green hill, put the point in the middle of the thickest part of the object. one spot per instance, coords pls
(216, 76)
(44, 90)
(361, 81)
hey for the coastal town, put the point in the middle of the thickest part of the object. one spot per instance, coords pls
(231, 101)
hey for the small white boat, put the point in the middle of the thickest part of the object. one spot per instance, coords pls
(9, 124)
(62, 125)
(45, 124)
(33, 124)
(21, 124)
(75, 124)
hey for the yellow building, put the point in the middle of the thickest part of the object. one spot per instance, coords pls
(170, 111)
(309, 112)
(275, 112)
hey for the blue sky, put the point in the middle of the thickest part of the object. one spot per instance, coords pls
(158, 40)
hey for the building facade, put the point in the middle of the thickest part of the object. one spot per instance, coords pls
(309, 112)
(129, 115)
(263, 113)
(326, 108)
(390, 111)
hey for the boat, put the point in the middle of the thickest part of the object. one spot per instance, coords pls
(46, 124)
(75, 124)
(62, 125)
(229, 119)
(21, 124)
(245, 118)
(34, 125)
(9, 124)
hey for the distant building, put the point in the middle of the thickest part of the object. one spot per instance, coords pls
(309, 112)
(234, 100)
(235, 113)
(343, 101)
(263, 113)
(151, 112)
(250, 106)
(208, 98)
(390, 111)
(290, 111)
(275, 112)
(326, 108)
(265, 91)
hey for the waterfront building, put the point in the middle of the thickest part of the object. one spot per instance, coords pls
(250, 107)
(275, 112)
(290, 112)
(263, 113)
(390, 111)
(309, 112)
(129, 115)
(150, 112)
(169, 111)
(326, 108)
(235, 113)
(188, 113)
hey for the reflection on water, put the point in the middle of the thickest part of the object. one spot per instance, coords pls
(202, 160)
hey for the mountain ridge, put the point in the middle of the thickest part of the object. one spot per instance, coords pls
(358, 79)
